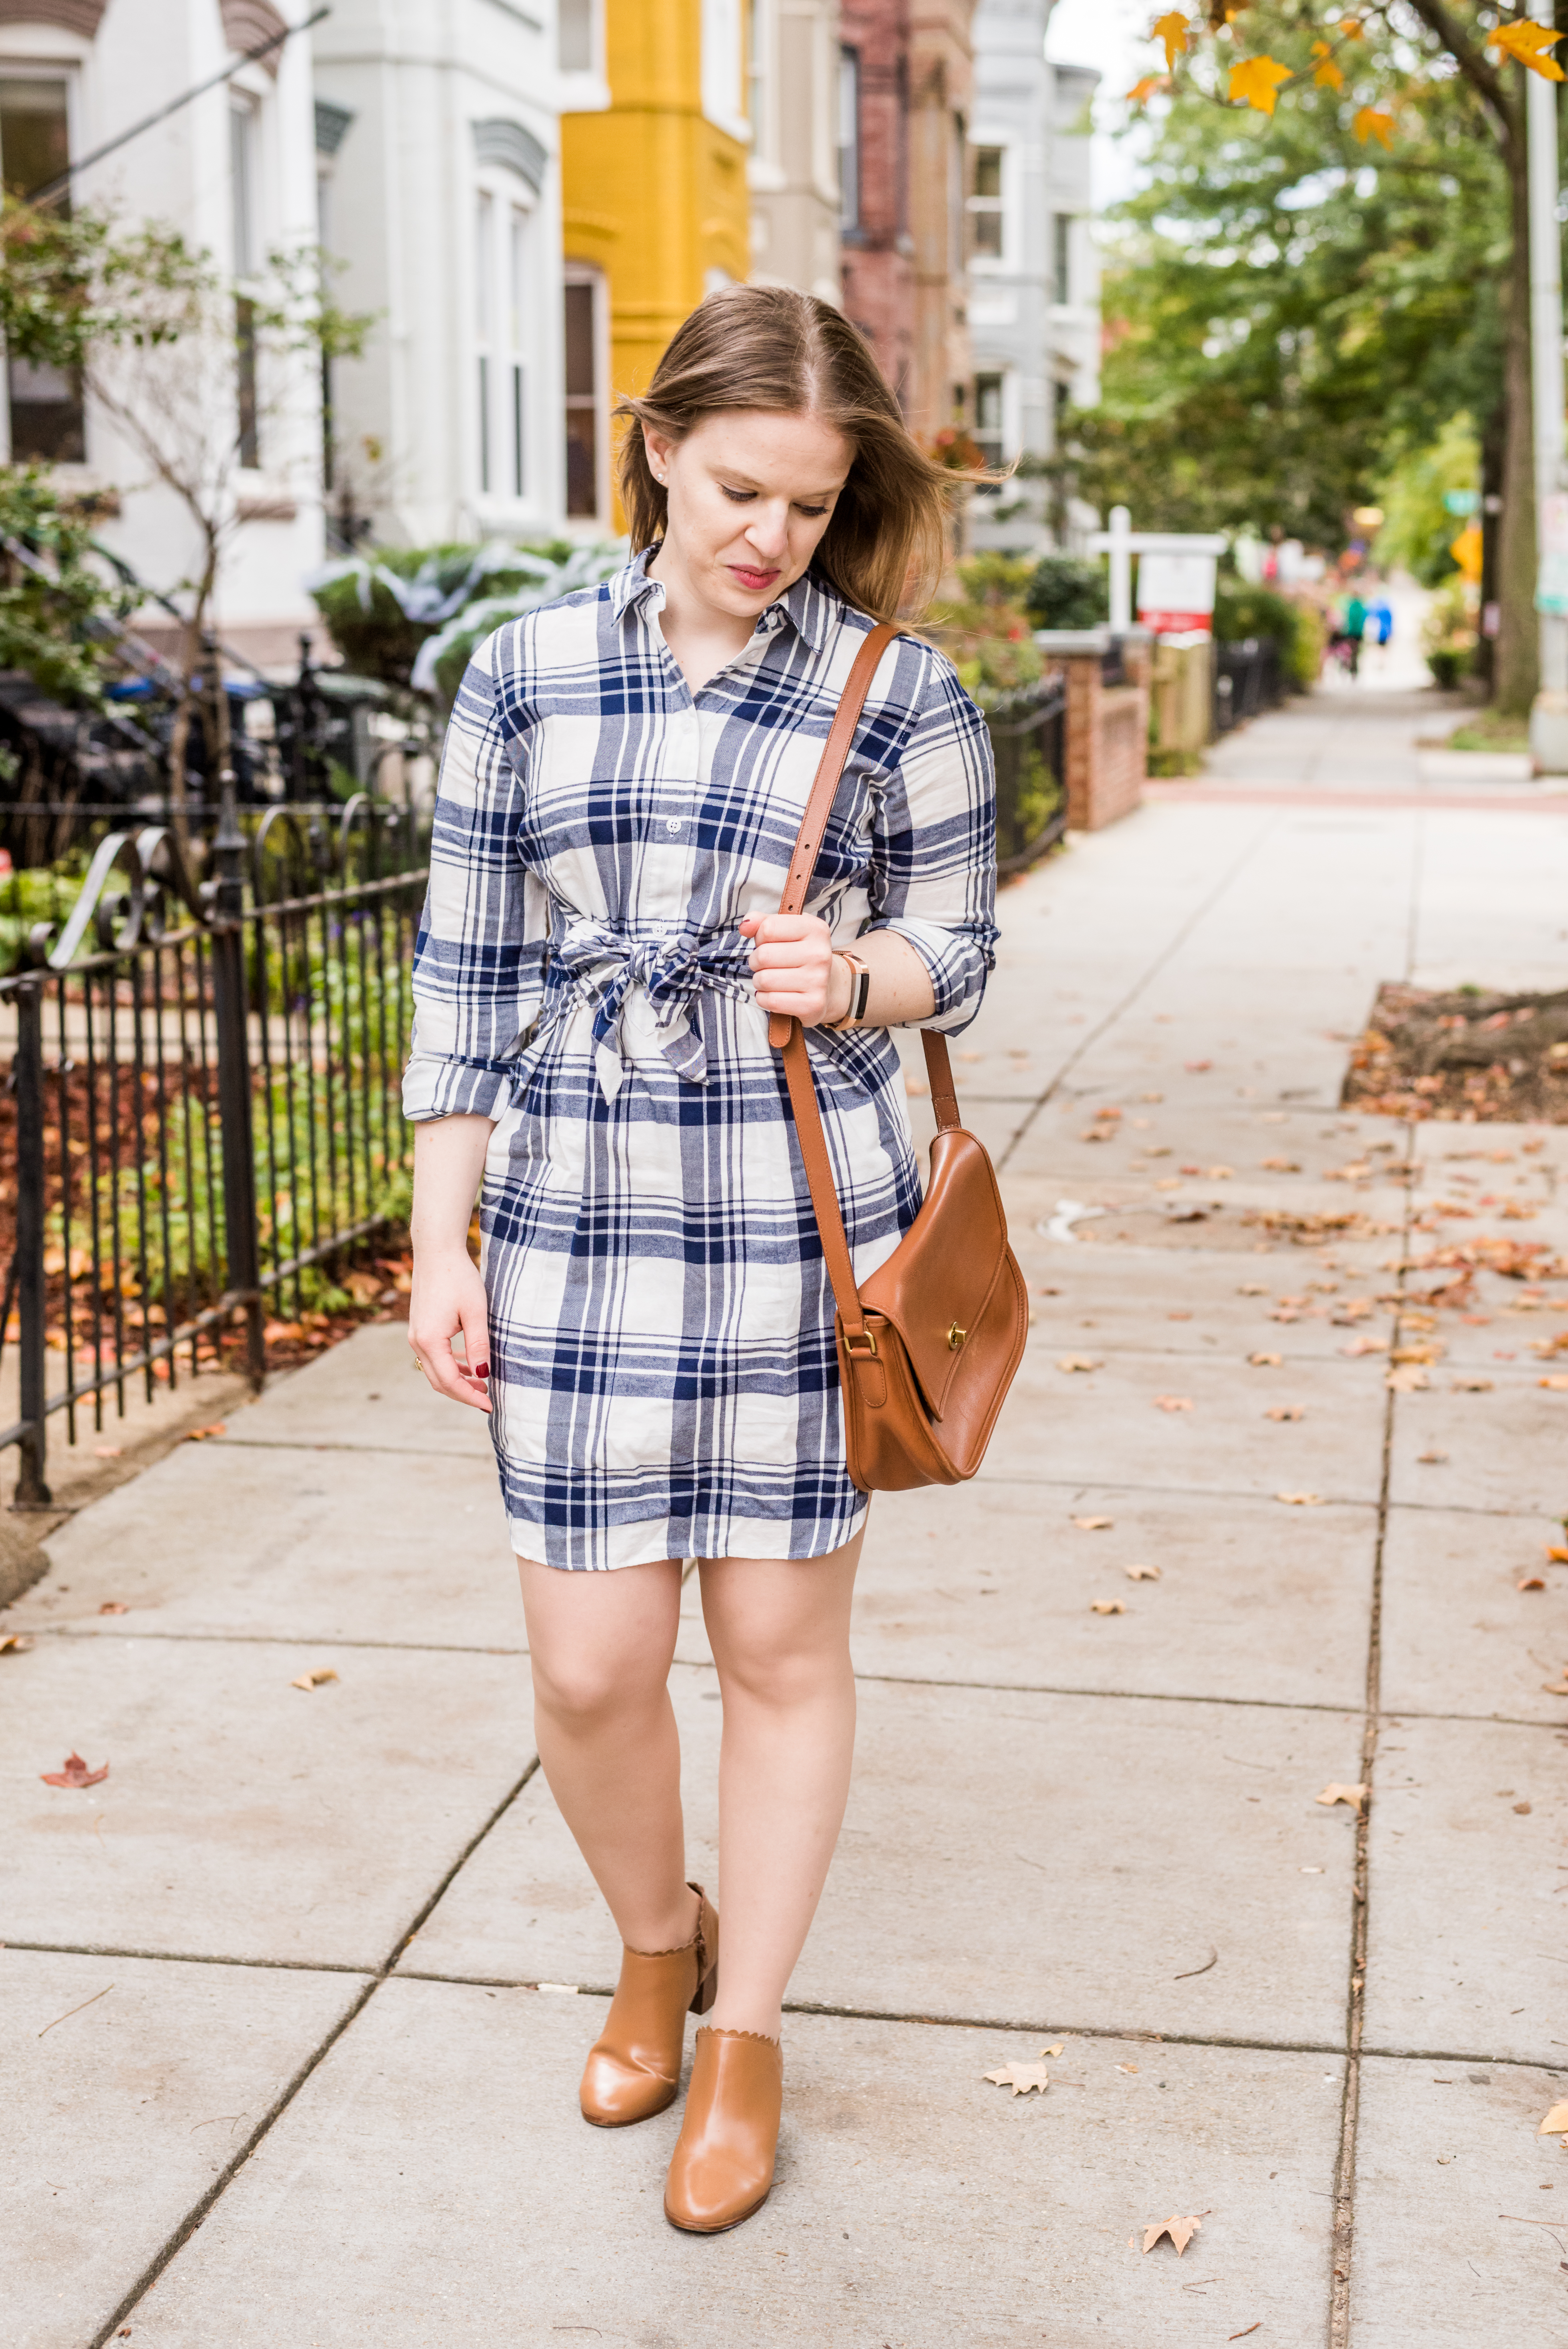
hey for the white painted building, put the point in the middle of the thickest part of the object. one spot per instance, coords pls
(234, 170)
(1034, 274)
(438, 129)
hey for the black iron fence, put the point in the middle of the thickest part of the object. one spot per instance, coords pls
(1248, 678)
(1028, 740)
(206, 1122)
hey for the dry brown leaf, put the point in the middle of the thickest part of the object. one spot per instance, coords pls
(1557, 1552)
(114, 1607)
(107, 1450)
(73, 1772)
(1094, 1525)
(1366, 1346)
(1301, 1500)
(1054, 2048)
(316, 1678)
(1557, 1688)
(1353, 1795)
(1282, 1165)
(1531, 1582)
(1285, 1411)
(1019, 2078)
(14, 1643)
(1408, 1377)
(1432, 1459)
(1252, 1288)
(1266, 1361)
(200, 1435)
(1221, 1174)
(1181, 2231)
(1470, 1386)
(1172, 1403)
(1523, 1809)
(1107, 1607)
(1142, 1573)
(1131, 2068)
(1425, 1352)
(1558, 1379)
(1078, 1362)
(1555, 2121)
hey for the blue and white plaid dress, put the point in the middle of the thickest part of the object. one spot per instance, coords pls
(663, 1369)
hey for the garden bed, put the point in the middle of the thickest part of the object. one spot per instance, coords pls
(1465, 1055)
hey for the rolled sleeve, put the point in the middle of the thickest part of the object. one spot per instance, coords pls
(479, 955)
(934, 846)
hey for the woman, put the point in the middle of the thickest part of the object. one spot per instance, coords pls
(653, 1331)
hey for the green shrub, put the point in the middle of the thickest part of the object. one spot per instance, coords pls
(1241, 610)
(1065, 593)
(411, 616)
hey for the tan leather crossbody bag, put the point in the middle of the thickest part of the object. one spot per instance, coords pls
(928, 1346)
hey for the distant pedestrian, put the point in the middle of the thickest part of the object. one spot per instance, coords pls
(652, 1330)
(1380, 615)
(1354, 629)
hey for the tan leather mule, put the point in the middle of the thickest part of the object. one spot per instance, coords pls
(633, 2068)
(722, 2168)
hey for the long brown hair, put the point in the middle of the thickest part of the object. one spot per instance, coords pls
(770, 348)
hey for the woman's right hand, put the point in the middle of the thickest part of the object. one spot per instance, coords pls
(448, 1296)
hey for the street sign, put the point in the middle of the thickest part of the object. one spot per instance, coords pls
(1121, 542)
(1176, 592)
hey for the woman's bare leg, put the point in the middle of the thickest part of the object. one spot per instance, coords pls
(601, 1646)
(779, 1628)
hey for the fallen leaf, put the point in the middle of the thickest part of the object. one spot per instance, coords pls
(14, 1643)
(1168, 1183)
(1252, 1288)
(1558, 1379)
(1531, 1582)
(1556, 1553)
(114, 1607)
(1556, 2119)
(1366, 1346)
(1548, 1688)
(1172, 1403)
(1019, 2078)
(1279, 1166)
(1432, 1459)
(1472, 1386)
(107, 1450)
(1266, 1361)
(73, 1772)
(1054, 2048)
(1107, 1607)
(1094, 1525)
(1144, 1573)
(200, 1435)
(1128, 2067)
(1285, 1411)
(1523, 1809)
(1196, 1068)
(1221, 1174)
(1301, 1500)
(1407, 1378)
(1181, 2231)
(1078, 1362)
(1353, 1795)
(316, 1678)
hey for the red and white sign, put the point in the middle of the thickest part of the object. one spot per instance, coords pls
(1176, 593)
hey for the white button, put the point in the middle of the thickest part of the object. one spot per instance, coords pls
(672, 824)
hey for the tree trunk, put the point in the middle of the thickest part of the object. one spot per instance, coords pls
(1515, 672)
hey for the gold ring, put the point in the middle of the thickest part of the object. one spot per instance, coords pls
(419, 1365)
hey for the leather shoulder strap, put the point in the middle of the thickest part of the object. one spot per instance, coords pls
(788, 1035)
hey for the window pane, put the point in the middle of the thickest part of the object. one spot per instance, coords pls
(988, 403)
(848, 139)
(484, 424)
(988, 171)
(580, 371)
(45, 415)
(517, 471)
(517, 253)
(987, 229)
(245, 380)
(1061, 269)
(581, 462)
(34, 143)
(484, 265)
(242, 187)
(574, 20)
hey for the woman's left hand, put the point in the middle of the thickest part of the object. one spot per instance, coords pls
(793, 965)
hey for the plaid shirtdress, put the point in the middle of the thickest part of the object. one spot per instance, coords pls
(662, 1371)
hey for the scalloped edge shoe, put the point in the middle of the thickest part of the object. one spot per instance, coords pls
(633, 2068)
(722, 2168)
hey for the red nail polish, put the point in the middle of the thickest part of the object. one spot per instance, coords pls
(481, 1370)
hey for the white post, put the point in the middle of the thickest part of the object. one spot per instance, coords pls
(1549, 715)
(1120, 536)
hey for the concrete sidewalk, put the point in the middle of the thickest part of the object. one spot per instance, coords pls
(344, 1960)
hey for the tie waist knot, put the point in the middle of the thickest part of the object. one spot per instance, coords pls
(599, 962)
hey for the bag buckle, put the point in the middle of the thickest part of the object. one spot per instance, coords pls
(956, 1337)
(868, 1350)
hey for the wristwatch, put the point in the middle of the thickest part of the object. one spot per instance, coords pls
(859, 994)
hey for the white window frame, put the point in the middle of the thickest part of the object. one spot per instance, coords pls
(580, 91)
(725, 94)
(22, 63)
(503, 379)
(1003, 207)
(583, 273)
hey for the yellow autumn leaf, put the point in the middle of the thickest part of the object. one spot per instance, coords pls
(1256, 80)
(1172, 29)
(1328, 76)
(1139, 95)
(1528, 43)
(1353, 29)
(1557, 2118)
(1374, 122)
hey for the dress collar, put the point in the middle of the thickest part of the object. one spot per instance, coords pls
(811, 607)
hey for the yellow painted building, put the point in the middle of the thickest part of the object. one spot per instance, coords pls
(655, 210)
